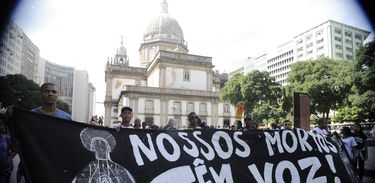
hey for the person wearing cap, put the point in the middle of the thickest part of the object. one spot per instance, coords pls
(126, 116)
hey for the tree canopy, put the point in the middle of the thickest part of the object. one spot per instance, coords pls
(19, 91)
(364, 80)
(232, 90)
(257, 90)
(327, 81)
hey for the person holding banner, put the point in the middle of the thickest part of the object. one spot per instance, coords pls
(126, 116)
(49, 95)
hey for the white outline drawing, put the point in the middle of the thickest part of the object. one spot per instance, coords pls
(102, 169)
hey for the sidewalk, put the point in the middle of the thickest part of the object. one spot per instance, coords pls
(370, 163)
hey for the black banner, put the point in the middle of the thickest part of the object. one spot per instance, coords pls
(57, 150)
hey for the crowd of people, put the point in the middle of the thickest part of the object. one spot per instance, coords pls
(355, 143)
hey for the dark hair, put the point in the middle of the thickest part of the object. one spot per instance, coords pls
(347, 131)
(247, 116)
(321, 120)
(360, 129)
(191, 113)
(45, 85)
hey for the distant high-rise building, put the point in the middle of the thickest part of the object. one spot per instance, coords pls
(330, 39)
(80, 110)
(29, 59)
(18, 54)
(255, 63)
(63, 77)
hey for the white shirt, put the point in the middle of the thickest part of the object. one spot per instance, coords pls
(349, 143)
(320, 131)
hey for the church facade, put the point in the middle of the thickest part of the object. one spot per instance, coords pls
(170, 82)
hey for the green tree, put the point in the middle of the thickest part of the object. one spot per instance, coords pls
(63, 106)
(258, 91)
(19, 91)
(328, 83)
(232, 90)
(364, 80)
(260, 88)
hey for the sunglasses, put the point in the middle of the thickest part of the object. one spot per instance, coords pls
(286, 124)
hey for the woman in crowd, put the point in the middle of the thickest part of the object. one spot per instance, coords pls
(361, 150)
(349, 142)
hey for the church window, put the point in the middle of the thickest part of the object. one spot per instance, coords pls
(152, 53)
(203, 107)
(177, 106)
(149, 105)
(190, 107)
(226, 108)
(186, 75)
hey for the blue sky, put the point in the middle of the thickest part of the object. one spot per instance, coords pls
(83, 33)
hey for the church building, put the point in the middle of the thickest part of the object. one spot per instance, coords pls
(170, 82)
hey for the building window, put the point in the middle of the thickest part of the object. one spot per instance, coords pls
(152, 53)
(358, 36)
(177, 106)
(358, 44)
(300, 49)
(338, 46)
(202, 107)
(190, 107)
(320, 32)
(337, 31)
(186, 75)
(308, 37)
(309, 45)
(338, 54)
(348, 41)
(309, 52)
(320, 48)
(149, 105)
(226, 109)
(299, 41)
(338, 39)
(319, 41)
(349, 49)
(349, 57)
(348, 33)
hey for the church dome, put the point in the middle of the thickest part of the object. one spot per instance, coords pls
(164, 26)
